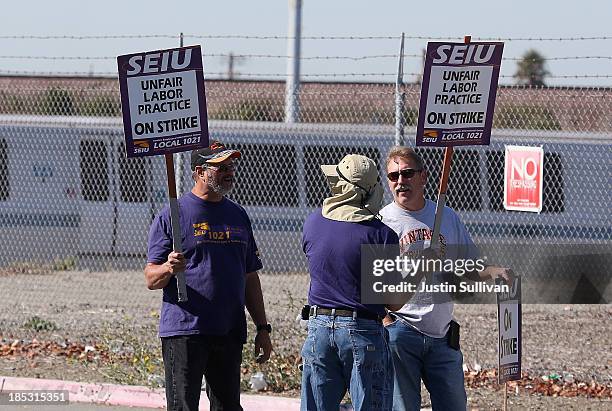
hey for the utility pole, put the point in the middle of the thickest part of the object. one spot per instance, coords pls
(292, 86)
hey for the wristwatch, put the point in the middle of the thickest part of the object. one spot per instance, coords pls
(266, 327)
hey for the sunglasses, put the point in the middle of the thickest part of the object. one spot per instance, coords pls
(406, 173)
(223, 168)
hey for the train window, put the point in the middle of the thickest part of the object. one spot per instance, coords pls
(553, 196)
(266, 175)
(495, 179)
(94, 170)
(4, 171)
(132, 178)
(316, 186)
(464, 192)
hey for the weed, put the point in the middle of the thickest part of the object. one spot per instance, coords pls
(132, 359)
(281, 372)
(38, 324)
(64, 264)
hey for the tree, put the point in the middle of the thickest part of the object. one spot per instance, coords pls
(531, 69)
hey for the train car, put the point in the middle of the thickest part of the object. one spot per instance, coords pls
(68, 191)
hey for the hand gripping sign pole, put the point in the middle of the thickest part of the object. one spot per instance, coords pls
(173, 183)
(176, 227)
(457, 103)
(446, 167)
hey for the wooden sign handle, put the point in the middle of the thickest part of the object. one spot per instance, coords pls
(176, 226)
(446, 167)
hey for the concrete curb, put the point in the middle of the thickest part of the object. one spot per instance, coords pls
(135, 396)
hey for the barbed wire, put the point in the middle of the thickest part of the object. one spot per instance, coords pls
(284, 37)
(250, 37)
(59, 57)
(305, 75)
(58, 73)
(279, 56)
(90, 37)
(260, 75)
(542, 38)
(559, 58)
(277, 75)
(215, 55)
(566, 76)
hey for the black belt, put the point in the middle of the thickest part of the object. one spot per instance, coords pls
(339, 312)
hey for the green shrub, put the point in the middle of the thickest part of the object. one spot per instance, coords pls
(250, 110)
(529, 117)
(11, 104)
(104, 105)
(58, 102)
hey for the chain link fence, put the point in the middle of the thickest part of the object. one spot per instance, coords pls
(69, 199)
(75, 212)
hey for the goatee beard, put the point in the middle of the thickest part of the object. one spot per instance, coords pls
(219, 189)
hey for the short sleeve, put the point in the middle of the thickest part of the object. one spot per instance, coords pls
(389, 236)
(305, 230)
(468, 249)
(160, 239)
(253, 260)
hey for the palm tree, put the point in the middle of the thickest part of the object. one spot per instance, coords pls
(531, 69)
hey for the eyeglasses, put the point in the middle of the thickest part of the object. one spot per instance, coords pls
(223, 168)
(406, 173)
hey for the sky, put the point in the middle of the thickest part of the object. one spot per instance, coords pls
(510, 20)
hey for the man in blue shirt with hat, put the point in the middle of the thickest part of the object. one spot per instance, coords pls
(346, 347)
(203, 337)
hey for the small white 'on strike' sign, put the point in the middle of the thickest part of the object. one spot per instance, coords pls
(163, 101)
(509, 325)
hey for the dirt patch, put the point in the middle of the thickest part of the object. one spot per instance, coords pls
(116, 316)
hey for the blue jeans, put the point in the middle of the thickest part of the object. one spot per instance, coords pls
(342, 353)
(417, 356)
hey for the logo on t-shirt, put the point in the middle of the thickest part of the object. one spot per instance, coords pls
(204, 232)
(200, 229)
(414, 241)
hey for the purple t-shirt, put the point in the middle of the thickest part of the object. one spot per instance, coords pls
(333, 249)
(220, 249)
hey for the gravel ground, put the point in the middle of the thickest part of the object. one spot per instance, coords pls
(88, 307)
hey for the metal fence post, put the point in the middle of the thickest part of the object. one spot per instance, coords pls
(399, 98)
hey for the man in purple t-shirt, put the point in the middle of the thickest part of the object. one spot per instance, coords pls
(203, 337)
(346, 347)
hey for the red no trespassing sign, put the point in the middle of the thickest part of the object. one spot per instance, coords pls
(523, 177)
